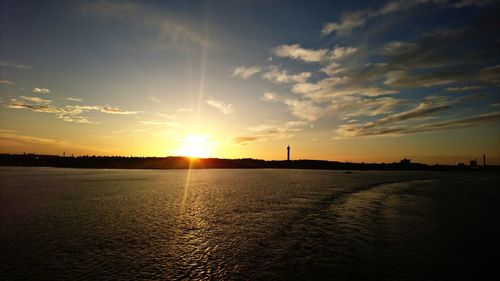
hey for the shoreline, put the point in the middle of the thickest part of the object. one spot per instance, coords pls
(178, 162)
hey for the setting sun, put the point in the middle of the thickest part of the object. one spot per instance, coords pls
(195, 145)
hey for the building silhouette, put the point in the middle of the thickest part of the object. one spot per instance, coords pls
(405, 161)
(288, 153)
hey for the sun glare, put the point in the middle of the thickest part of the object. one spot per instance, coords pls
(197, 146)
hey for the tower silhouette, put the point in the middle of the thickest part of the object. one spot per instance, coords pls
(288, 153)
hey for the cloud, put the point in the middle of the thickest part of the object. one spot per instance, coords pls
(105, 109)
(298, 53)
(245, 72)
(304, 109)
(182, 109)
(347, 23)
(269, 96)
(68, 113)
(163, 29)
(351, 20)
(464, 88)
(368, 95)
(6, 82)
(394, 123)
(160, 123)
(399, 48)
(14, 65)
(445, 47)
(272, 131)
(332, 87)
(115, 110)
(243, 140)
(397, 6)
(35, 104)
(76, 119)
(333, 69)
(155, 99)
(13, 138)
(221, 106)
(279, 76)
(490, 75)
(74, 99)
(340, 52)
(41, 90)
(320, 89)
(35, 99)
(467, 3)
(429, 106)
(457, 123)
(405, 79)
(354, 106)
(7, 135)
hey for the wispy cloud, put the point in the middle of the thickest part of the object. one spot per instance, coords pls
(38, 105)
(74, 99)
(155, 99)
(115, 110)
(184, 109)
(269, 96)
(163, 29)
(105, 109)
(244, 72)
(457, 123)
(221, 106)
(279, 76)
(467, 3)
(243, 140)
(7, 135)
(264, 132)
(18, 138)
(14, 65)
(351, 20)
(296, 52)
(68, 113)
(304, 109)
(159, 123)
(464, 88)
(357, 106)
(40, 90)
(405, 79)
(398, 123)
(347, 23)
(35, 99)
(443, 47)
(490, 75)
(6, 82)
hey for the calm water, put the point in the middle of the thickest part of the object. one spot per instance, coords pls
(247, 224)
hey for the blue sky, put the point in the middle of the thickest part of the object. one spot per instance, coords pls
(339, 80)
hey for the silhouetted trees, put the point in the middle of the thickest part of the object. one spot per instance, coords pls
(119, 162)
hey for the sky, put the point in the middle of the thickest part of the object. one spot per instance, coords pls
(359, 81)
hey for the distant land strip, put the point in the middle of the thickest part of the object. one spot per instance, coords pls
(177, 162)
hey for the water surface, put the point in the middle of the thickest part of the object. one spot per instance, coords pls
(77, 224)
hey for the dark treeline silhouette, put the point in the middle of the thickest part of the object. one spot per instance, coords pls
(119, 162)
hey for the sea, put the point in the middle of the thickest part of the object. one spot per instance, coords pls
(248, 224)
